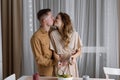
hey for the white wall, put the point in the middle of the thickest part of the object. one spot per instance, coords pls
(0, 46)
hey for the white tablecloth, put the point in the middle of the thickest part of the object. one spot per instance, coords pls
(55, 78)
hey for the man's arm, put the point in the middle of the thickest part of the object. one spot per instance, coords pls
(40, 59)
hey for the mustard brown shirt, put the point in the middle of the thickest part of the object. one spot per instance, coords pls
(40, 43)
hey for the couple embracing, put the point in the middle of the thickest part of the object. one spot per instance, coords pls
(56, 49)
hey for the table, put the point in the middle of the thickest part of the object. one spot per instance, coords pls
(55, 78)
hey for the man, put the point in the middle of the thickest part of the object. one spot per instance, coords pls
(40, 43)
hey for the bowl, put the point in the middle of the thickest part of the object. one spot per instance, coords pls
(60, 78)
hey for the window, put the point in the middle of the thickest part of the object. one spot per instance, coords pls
(93, 20)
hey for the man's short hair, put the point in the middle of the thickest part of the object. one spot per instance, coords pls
(43, 12)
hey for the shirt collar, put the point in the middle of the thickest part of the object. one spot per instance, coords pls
(43, 31)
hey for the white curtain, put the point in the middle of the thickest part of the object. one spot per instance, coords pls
(28, 20)
(96, 21)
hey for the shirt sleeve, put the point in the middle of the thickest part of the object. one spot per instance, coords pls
(78, 41)
(40, 59)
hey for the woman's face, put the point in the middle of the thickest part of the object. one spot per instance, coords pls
(58, 22)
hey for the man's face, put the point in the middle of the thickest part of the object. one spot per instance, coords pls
(49, 19)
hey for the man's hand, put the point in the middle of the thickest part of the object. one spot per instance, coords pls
(56, 56)
(64, 57)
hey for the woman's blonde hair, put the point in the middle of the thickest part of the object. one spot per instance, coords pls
(67, 28)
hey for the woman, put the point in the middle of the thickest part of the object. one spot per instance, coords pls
(67, 44)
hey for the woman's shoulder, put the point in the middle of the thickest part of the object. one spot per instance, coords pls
(75, 33)
(54, 32)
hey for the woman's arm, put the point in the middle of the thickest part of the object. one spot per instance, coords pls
(74, 56)
(77, 53)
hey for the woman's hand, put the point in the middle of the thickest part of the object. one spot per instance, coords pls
(72, 60)
(62, 63)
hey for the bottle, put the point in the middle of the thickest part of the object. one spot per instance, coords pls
(36, 76)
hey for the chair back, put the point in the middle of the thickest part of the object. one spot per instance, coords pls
(111, 71)
(11, 77)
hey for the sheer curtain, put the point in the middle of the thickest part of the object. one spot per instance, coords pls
(96, 19)
(119, 25)
(28, 21)
(96, 22)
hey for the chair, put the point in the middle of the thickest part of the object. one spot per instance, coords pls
(11, 77)
(111, 71)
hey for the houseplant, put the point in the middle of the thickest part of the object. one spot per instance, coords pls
(65, 62)
(64, 76)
